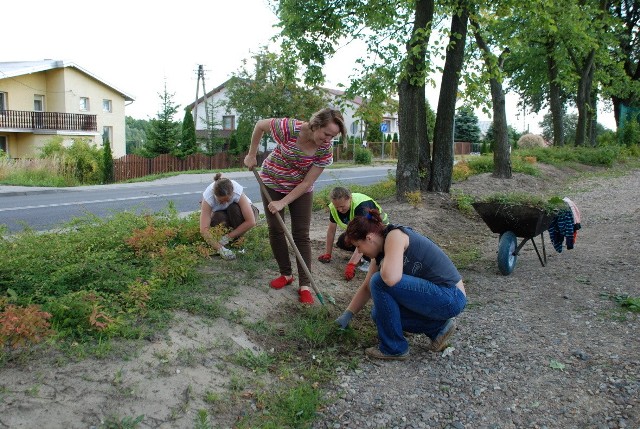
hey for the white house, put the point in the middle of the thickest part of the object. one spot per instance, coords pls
(216, 100)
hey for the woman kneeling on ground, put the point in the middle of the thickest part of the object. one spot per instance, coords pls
(413, 284)
(345, 206)
(225, 203)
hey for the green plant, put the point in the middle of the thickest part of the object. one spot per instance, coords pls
(518, 198)
(414, 198)
(362, 156)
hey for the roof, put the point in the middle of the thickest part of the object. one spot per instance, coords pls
(21, 68)
(334, 92)
(208, 94)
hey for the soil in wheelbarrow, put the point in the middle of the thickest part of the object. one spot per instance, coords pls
(545, 347)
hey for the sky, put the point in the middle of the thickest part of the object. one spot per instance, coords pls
(139, 45)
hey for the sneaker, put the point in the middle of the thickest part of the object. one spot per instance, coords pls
(374, 352)
(440, 342)
(364, 266)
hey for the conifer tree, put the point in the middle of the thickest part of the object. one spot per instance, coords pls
(107, 161)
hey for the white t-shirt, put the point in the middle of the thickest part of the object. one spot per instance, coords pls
(208, 196)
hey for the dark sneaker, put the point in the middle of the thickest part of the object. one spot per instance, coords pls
(440, 342)
(374, 352)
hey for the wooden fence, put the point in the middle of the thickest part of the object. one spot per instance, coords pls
(134, 166)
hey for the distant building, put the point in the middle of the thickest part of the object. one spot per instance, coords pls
(223, 114)
(43, 99)
(484, 127)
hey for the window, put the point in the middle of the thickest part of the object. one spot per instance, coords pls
(355, 128)
(84, 104)
(106, 105)
(3, 101)
(107, 133)
(228, 122)
(38, 103)
(3, 143)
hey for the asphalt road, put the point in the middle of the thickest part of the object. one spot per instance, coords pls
(44, 209)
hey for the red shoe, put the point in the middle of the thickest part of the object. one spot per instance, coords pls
(281, 282)
(305, 296)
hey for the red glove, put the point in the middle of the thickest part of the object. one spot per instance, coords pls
(326, 258)
(350, 271)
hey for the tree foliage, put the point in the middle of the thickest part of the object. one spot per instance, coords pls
(188, 142)
(135, 133)
(466, 126)
(163, 133)
(272, 89)
(107, 160)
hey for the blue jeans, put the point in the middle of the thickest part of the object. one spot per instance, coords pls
(412, 305)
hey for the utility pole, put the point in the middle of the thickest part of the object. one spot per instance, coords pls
(204, 90)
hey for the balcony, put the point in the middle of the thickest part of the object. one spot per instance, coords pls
(25, 120)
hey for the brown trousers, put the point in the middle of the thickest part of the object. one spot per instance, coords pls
(231, 216)
(300, 212)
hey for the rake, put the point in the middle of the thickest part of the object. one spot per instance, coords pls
(263, 188)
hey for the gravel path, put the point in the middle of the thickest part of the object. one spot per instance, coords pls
(545, 347)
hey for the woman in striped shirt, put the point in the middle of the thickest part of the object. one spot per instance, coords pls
(302, 152)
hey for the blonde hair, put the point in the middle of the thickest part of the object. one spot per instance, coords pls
(326, 116)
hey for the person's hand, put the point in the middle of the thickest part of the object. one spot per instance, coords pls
(350, 271)
(344, 319)
(250, 161)
(226, 254)
(224, 240)
(325, 259)
(275, 206)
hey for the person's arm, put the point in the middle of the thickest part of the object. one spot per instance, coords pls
(300, 189)
(359, 300)
(247, 214)
(331, 234)
(355, 257)
(262, 126)
(205, 224)
(394, 247)
(363, 294)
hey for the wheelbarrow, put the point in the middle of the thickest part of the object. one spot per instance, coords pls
(513, 221)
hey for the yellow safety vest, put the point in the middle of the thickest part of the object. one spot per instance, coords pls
(356, 200)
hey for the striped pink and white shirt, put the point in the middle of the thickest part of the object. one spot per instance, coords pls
(287, 165)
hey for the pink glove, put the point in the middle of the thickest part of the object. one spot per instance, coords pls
(326, 258)
(350, 271)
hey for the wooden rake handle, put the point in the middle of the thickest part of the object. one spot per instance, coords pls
(263, 188)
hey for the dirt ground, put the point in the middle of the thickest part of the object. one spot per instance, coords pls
(543, 347)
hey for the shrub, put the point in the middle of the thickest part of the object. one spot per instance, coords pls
(529, 141)
(363, 156)
(461, 171)
(22, 325)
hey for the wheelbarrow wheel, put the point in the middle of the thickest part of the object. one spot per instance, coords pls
(506, 253)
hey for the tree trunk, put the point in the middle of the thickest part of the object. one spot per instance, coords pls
(555, 102)
(593, 113)
(413, 150)
(582, 99)
(407, 178)
(442, 161)
(502, 148)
